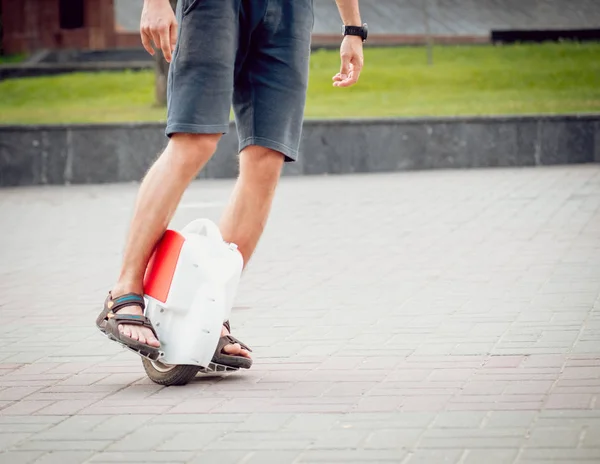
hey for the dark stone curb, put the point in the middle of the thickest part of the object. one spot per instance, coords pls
(99, 153)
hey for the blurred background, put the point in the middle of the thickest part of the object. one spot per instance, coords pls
(81, 101)
(84, 62)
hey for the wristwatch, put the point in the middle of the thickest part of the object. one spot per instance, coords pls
(361, 31)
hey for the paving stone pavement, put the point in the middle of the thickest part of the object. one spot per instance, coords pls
(423, 317)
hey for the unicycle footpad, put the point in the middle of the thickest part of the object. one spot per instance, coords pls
(210, 369)
(214, 367)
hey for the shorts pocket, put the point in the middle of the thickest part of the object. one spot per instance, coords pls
(188, 5)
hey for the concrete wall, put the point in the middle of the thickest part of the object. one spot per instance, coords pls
(62, 154)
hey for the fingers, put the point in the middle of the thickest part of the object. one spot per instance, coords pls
(355, 74)
(351, 54)
(164, 34)
(344, 69)
(351, 78)
(145, 33)
(345, 80)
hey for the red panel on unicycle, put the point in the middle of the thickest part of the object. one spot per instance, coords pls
(161, 268)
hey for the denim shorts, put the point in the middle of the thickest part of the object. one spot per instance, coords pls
(252, 54)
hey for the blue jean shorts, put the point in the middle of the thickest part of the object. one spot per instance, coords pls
(252, 54)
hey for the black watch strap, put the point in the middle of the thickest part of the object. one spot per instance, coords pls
(353, 30)
(360, 31)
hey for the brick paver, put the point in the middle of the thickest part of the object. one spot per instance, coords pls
(425, 317)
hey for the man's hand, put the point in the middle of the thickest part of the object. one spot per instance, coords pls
(351, 53)
(159, 25)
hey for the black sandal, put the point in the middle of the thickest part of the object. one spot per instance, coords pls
(108, 322)
(228, 360)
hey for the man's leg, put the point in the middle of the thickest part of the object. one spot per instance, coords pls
(268, 100)
(200, 87)
(243, 221)
(246, 215)
(157, 201)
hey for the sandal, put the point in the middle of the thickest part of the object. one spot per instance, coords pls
(228, 360)
(108, 322)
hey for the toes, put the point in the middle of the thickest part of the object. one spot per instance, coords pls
(126, 330)
(135, 334)
(152, 341)
(233, 349)
(148, 338)
(236, 350)
(144, 335)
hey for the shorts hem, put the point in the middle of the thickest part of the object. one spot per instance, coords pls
(289, 153)
(196, 129)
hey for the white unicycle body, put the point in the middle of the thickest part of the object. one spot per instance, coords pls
(189, 287)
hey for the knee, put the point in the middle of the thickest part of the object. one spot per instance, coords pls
(192, 151)
(261, 165)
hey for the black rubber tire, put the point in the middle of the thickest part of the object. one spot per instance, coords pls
(176, 375)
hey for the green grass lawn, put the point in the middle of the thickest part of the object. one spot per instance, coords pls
(473, 80)
(10, 59)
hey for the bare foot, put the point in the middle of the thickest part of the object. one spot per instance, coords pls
(234, 349)
(136, 332)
